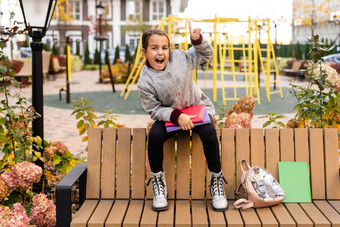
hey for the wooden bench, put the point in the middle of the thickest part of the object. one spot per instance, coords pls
(296, 65)
(113, 180)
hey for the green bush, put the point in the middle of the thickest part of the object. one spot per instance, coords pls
(282, 64)
(76, 63)
(128, 57)
(78, 49)
(55, 50)
(94, 67)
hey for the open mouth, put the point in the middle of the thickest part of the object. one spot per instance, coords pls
(159, 61)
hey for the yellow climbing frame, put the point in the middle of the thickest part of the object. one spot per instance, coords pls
(251, 57)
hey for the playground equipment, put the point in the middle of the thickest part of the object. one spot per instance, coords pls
(254, 57)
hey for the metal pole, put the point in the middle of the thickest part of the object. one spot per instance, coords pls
(68, 70)
(37, 93)
(100, 48)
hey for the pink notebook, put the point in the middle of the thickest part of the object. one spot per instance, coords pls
(191, 110)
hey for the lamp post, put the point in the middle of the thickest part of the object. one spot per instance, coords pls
(100, 11)
(32, 12)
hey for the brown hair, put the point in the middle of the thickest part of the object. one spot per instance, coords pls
(147, 34)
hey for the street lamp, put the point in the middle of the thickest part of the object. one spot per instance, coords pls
(32, 12)
(100, 11)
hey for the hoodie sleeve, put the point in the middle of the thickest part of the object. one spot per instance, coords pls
(152, 105)
(199, 54)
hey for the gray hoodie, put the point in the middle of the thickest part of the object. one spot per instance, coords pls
(174, 87)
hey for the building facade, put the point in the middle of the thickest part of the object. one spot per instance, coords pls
(122, 22)
(311, 17)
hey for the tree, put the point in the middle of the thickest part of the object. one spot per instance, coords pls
(282, 51)
(55, 49)
(311, 13)
(87, 60)
(64, 11)
(290, 50)
(78, 49)
(128, 57)
(298, 51)
(117, 55)
(96, 57)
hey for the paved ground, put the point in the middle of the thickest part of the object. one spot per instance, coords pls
(59, 125)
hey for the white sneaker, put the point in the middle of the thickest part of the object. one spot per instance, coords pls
(219, 200)
(160, 191)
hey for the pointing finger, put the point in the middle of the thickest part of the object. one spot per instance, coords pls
(190, 28)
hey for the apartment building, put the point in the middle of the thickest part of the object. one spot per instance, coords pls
(122, 21)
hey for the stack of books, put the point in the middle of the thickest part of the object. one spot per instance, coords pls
(201, 118)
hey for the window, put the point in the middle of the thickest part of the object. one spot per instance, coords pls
(75, 8)
(134, 9)
(157, 9)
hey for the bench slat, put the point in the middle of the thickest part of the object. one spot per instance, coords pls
(138, 164)
(242, 151)
(227, 162)
(216, 219)
(272, 151)
(198, 168)
(317, 169)
(257, 147)
(183, 165)
(83, 215)
(109, 157)
(335, 205)
(169, 166)
(93, 163)
(286, 145)
(117, 213)
(233, 216)
(298, 215)
(267, 218)
(332, 167)
(250, 218)
(149, 217)
(123, 163)
(133, 213)
(327, 210)
(199, 213)
(283, 216)
(301, 145)
(182, 216)
(100, 214)
(317, 217)
(166, 218)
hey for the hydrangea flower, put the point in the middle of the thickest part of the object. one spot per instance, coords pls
(235, 120)
(3, 190)
(43, 213)
(61, 147)
(16, 216)
(29, 172)
(14, 182)
(332, 78)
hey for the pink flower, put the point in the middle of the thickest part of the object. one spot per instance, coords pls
(27, 171)
(14, 182)
(16, 216)
(235, 126)
(61, 148)
(236, 120)
(43, 213)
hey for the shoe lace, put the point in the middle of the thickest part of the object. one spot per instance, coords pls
(157, 184)
(217, 185)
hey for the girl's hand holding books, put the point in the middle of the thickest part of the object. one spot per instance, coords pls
(185, 121)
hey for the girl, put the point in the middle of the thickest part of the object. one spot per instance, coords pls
(165, 87)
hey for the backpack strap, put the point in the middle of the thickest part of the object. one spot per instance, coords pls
(243, 161)
(243, 204)
(237, 192)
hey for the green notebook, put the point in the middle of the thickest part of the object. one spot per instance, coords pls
(294, 179)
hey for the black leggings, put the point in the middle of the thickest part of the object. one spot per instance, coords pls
(158, 135)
